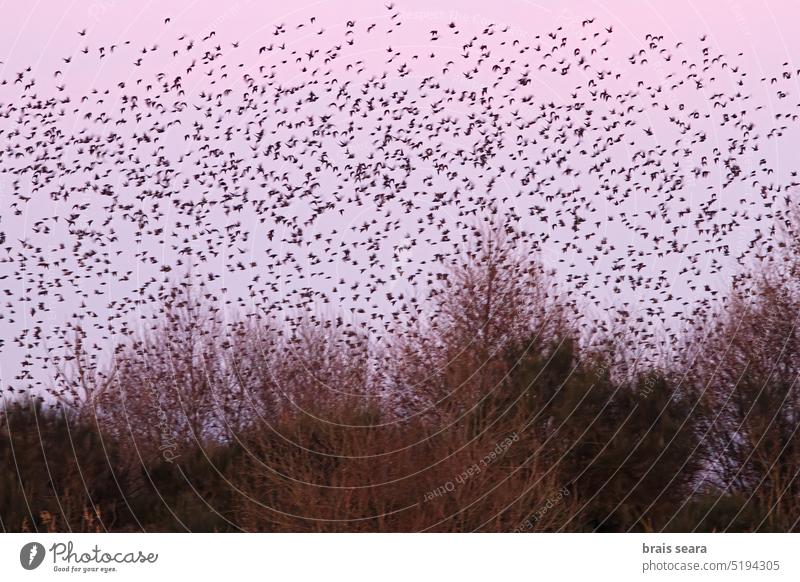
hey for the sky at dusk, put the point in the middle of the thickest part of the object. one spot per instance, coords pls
(47, 36)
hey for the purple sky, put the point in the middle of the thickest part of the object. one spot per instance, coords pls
(41, 34)
(34, 31)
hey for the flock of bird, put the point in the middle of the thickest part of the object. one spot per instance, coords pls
(319, 167)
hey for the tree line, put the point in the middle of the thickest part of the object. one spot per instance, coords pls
(496, 414)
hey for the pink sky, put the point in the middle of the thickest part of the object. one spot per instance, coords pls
(40, 34)
(765, 30)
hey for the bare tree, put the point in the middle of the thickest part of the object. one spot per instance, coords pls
(746, 363)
